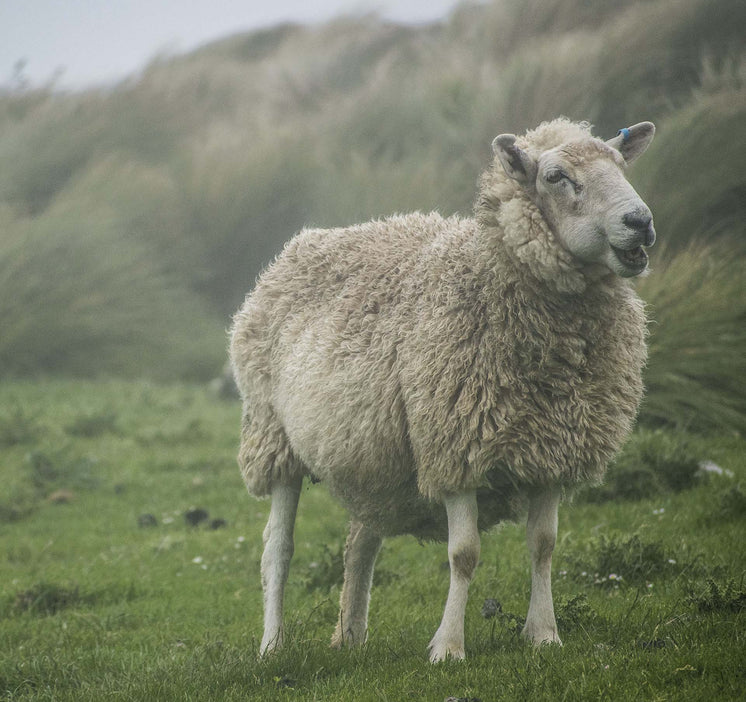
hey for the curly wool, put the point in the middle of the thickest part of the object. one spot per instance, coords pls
(409, 358)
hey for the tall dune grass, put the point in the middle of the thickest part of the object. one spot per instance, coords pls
(696, 376)
(93, 301)
(134, 219)
(694, 177)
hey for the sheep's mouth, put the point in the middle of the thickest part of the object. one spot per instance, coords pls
(634, 260)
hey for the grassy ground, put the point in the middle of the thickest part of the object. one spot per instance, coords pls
(106, 592)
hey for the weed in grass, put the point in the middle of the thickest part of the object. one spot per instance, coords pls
(325, 572)
(574, 612)
(18, 427)
(193, 432)
(733, 503)
(62, 469)
(617, 559)
(718, 597)
(146, 521)
(17, 505)
(41, 468)
(48, 598)
(493, 610)
(652, 463)
(93, 425)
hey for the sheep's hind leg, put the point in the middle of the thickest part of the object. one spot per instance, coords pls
(541, 535)
(360, 556)
(278, 550)
(463, 557)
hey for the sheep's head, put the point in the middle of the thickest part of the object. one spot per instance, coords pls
(582, 192)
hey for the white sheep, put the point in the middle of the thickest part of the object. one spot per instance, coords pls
(440, 375)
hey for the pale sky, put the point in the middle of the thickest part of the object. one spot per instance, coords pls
(95, 42)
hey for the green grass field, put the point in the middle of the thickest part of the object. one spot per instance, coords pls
(133, 220)
(106, 592)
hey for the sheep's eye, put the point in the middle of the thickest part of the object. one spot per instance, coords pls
(554, 176)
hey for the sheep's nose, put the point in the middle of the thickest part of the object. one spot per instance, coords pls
(642, 223)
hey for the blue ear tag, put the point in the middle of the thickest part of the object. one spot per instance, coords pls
(625, 134)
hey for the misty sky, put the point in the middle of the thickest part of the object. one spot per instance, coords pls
(100, 41)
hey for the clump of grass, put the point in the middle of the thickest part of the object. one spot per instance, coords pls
(193, 432)
(18, 427)
(717, 597)
(93, 424)
(652, 463)
(493, 610)
(17, 504)
(128, 240)
(46, 598)
(610, 561)
(708, 137)
(733, 503)
(61, 469)
(696, 373)
(574, 612)
(326, 572)
(42, 470)
(102, 298)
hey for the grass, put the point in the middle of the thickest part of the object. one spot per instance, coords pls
(97, 603)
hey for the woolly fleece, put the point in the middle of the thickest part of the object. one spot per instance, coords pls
(406, 359)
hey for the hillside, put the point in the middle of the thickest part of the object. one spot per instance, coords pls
(135, 218)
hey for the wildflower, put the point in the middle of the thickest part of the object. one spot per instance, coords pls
(714, 468)
(197, 560)
(672, 561)
(659, 511)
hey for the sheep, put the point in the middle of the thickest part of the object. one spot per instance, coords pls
(441, 375)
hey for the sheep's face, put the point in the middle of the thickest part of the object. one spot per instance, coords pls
(581, 190)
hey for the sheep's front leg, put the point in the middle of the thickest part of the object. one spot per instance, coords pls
(360, 556)
(278, 550)
(463, 557)
(541, 534)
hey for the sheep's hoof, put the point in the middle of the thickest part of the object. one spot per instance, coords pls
(539, 637)
(443, 650)
(269, 646)
(349, 637)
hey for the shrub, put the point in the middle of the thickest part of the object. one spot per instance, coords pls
(81, 297)
(574, 612)
(326, 572)
(652, 463)
(47, 598)
(17, 427)
(717, 597)
(696, 374)
(93, 424)
(131, 239)
(611, 560)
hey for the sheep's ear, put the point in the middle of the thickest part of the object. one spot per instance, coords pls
(516, 162)
(632, 141)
